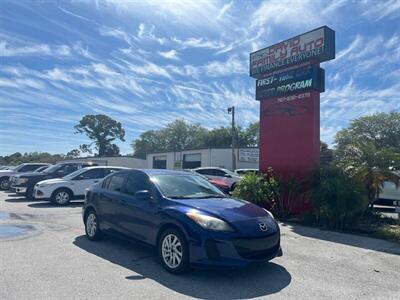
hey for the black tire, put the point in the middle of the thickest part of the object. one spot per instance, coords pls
(184, 265)
(96, 234)
(61, 196)
(29, 193)
(4, 184)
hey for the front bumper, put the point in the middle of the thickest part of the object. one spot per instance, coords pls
(20, 189)
(216, 250)
(39, 194)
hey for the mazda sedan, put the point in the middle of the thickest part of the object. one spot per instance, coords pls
(190, 221)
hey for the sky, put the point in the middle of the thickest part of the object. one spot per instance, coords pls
(147, 63)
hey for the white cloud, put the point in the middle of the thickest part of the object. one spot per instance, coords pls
(34, 50)
(377, 10)
(172, 54)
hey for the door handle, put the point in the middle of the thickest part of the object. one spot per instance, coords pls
(95, 181)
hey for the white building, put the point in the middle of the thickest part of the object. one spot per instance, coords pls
(187, 159)
(118, 161)
(207, 157)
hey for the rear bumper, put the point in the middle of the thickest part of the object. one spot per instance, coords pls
(213, 251)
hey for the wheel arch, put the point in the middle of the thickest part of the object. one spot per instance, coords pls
(62, 188)
(170, 225)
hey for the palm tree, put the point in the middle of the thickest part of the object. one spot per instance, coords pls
(370, 166)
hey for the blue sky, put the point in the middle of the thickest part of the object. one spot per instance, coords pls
(146, 63)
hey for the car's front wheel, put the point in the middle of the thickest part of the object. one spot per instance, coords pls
(173, 251)
(61, 197)
(4, 184)
(92, 228)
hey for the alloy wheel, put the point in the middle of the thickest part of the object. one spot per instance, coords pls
(62, 197)
(91, 225)
(172, 251)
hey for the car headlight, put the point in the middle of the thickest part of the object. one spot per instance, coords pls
(208, 222)
(270, 213)
(22, 180)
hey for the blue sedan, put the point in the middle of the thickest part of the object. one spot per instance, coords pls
(190, 221)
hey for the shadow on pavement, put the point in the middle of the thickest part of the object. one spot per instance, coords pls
(345, 238)
(255, 281)
(51, 205)
(18, 200)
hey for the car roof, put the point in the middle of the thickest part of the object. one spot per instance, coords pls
(206, 168)
(106, 167)
(151, 172)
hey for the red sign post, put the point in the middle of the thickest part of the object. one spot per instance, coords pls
(290, 111)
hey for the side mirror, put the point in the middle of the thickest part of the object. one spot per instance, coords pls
(227, 176)
(60, 173)
(143, 195)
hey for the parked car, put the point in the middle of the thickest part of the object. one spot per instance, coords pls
(62, 190)
(13, 179)
(27, 182)
(217, 182)
(225, 175)
(242, 172)
(190, 221)
(388, 195)
(6, 167)
(22, 168)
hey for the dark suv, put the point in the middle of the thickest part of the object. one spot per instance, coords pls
(26, 182)
(5, 175)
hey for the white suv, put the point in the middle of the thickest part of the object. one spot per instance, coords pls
(225, 175)
(62, 190)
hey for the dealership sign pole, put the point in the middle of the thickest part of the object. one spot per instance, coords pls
(288, 86)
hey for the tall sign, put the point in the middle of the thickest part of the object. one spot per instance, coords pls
(288, 86)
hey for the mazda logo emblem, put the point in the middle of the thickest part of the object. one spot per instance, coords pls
(263, 226)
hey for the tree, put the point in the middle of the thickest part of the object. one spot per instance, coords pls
(180, 135)
(369, 151)
(74, 153)
(103, 130)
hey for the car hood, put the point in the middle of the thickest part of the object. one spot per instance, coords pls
(246, 218)
(52, 181)
(230, 209)
(7, 172)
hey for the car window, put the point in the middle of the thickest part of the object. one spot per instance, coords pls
(69, 168)
(110, 171)
(219, 173)
(93, 174)
(136, 182)
(116, 182)
(28, 168)
(206, 171)
(105, 183)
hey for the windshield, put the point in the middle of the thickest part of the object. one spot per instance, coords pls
(186, 187)
(52, 169)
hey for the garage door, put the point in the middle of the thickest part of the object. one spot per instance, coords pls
(191, 161)
(160, 162)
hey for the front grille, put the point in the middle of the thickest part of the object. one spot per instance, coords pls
(258, 248)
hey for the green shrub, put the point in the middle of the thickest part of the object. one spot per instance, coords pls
(260, 189)
(338, 200)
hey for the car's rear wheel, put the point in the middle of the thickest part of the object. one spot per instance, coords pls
(61, 197)
(173, 251)
(4, 184)
(92, 228)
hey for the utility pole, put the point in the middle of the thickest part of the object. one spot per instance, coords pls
(231, 111)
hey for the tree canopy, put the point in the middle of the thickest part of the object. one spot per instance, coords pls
(102, 130)
(179, 135)
(369, 150)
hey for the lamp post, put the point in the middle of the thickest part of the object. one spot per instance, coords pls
(231, 111)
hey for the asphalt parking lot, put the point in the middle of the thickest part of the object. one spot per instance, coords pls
(45, 255)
